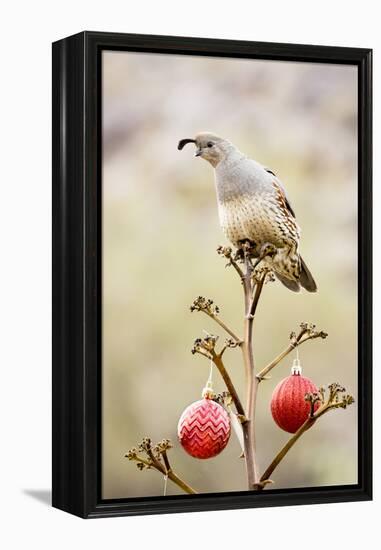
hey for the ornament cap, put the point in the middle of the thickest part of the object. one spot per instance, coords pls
(296, 368)
(208, 392)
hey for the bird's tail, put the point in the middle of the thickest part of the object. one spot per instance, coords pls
(306, 279)
(291, 284)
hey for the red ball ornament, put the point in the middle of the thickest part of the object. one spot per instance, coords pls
(289, 408)
(204, 428)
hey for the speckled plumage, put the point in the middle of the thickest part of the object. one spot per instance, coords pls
(252, 204)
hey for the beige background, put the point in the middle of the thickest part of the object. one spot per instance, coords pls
(160, 233)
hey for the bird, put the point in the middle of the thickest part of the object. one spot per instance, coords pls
(253, 207)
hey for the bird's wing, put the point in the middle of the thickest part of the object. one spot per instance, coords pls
(287, 202)
(279, 185)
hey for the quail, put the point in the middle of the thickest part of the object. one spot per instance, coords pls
(253, 207)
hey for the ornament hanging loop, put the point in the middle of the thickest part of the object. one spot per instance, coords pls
(208, 392)
(165, 485)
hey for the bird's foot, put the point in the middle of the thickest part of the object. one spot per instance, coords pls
(246, 249)
(239, 255)
(267, 250)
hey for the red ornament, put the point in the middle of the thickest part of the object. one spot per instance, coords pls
(289, 408)
(204, 428)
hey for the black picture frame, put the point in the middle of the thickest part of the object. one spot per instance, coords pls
(77, 307)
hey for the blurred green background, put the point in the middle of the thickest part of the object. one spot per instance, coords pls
(160, 233)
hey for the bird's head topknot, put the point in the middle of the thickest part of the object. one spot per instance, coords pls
(209, 146)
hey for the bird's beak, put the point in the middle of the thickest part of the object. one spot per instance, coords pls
(198, 153)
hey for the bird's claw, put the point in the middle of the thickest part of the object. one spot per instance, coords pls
(246, 249)
(238, 255)
(268, 250)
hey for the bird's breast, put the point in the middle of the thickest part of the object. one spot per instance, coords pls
(255, 217)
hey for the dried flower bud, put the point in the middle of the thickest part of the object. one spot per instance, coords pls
(132, 454)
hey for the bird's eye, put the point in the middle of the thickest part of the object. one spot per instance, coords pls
(210, 144)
